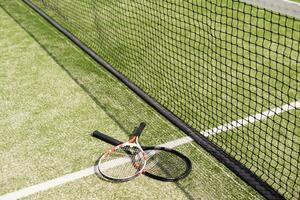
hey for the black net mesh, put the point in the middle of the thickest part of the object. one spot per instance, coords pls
(228, 69)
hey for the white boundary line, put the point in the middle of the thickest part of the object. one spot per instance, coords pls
(48, 184)
(251, 119)
(91, 170)
(284, 7)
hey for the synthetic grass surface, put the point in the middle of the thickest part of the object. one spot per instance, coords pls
(53, 96)
(210, 63)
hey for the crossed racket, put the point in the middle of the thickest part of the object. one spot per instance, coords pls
(126, 161)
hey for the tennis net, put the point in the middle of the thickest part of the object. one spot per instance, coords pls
(227, 70)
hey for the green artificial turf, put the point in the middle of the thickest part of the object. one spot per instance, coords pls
(53, 96)
(208, 62)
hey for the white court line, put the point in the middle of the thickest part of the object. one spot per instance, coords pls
(284, 7)
(89, 171)
(48, 184)
(251, 119)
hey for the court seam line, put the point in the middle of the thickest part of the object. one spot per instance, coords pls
(91, 170)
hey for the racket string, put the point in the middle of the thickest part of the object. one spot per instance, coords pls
(165, 164)
(123, 162)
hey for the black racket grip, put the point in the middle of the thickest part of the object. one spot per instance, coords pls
(106, 138)
(138, 131)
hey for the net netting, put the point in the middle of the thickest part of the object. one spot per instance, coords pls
(229, 69)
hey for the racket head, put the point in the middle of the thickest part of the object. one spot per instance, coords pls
(166, 164)
(182, 163)
(123, 162)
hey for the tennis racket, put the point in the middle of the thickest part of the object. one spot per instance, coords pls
(124, 161)
(162, 164)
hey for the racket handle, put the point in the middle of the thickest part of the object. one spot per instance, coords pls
(106, 138)
(138, 131)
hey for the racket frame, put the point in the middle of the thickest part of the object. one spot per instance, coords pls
(132, 143)
(187, 161)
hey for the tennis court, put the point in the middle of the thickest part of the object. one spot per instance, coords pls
(53, 95)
